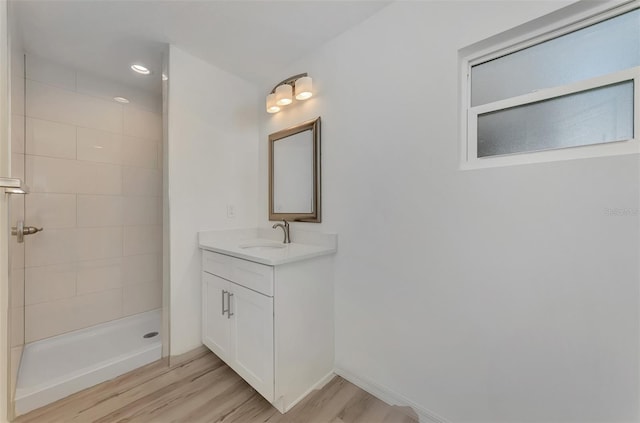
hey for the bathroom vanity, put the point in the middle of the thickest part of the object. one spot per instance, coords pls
(267, 309)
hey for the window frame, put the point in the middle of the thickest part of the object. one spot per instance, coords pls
(469, 114)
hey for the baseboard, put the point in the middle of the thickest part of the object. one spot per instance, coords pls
(390, 397)
(318, 385)
(176, 360)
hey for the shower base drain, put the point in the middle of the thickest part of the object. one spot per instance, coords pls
(150, 335)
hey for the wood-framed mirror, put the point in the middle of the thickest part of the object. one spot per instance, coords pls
(294, 173)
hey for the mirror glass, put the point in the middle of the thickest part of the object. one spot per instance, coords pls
(295, 173)
(292, 173)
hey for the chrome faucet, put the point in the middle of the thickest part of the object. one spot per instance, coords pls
(285, 227)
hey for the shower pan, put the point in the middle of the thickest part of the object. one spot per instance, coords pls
(56, 367)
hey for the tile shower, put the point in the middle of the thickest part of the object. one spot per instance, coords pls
(94, 168)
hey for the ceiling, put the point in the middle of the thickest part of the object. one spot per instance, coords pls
(252, 39)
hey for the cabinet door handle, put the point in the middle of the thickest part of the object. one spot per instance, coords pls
(229, 313)
(224, 292)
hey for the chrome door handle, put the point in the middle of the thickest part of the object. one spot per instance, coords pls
(30, 230)
(229, 313)
(224, 292)
(20, 231)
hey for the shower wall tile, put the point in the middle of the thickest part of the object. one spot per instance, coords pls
(51, 103)
(142, 124)
(100, 210)
(16, 277)
(16, 252)
(59, 105)
(55, 317)
(51, 246)
(48, 283)
(99, 275)
(48, 319)
(99, 146)
(52, 139)
(142, 211)
(15, 317)
(160, 160)
(51, 210)
(140, 152)
(98, 113)
(99, 87)
(95, 169)
(17, 133)
(17, 83)
(17, 326)
(142, 268)
(141, 297)
(16, 358)
(140, 181)
(18, 166)
(16, 208)
(142, 239)
(98, 178)
(43, 70)
(98, 243)
(46, 174)
(98, 307)
(16, 213)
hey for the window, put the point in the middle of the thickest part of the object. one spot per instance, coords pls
(568, 94)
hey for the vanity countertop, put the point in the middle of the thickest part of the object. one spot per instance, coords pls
(264, 245)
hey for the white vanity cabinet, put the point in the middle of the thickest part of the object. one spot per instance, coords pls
(272, 324)
(238, 327)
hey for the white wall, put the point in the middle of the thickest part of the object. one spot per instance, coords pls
(496, 295)
(212, 138)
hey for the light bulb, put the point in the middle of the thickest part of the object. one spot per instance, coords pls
(304, 87)
(272, 107)
(284, 94)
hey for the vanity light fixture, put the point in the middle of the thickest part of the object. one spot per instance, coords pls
(121, 100)
(282, 94)
(143, 70)
(272, 107)
(304, 88)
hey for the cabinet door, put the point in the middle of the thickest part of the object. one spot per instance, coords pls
(252, 337)
(216, 327)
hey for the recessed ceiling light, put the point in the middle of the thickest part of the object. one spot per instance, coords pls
(121, 100)
(140, 69)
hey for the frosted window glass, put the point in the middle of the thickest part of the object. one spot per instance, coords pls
(595, 116)
(606, 47)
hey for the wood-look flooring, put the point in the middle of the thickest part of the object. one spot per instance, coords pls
(199, 387)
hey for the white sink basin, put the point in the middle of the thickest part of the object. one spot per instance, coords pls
(261, 245)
